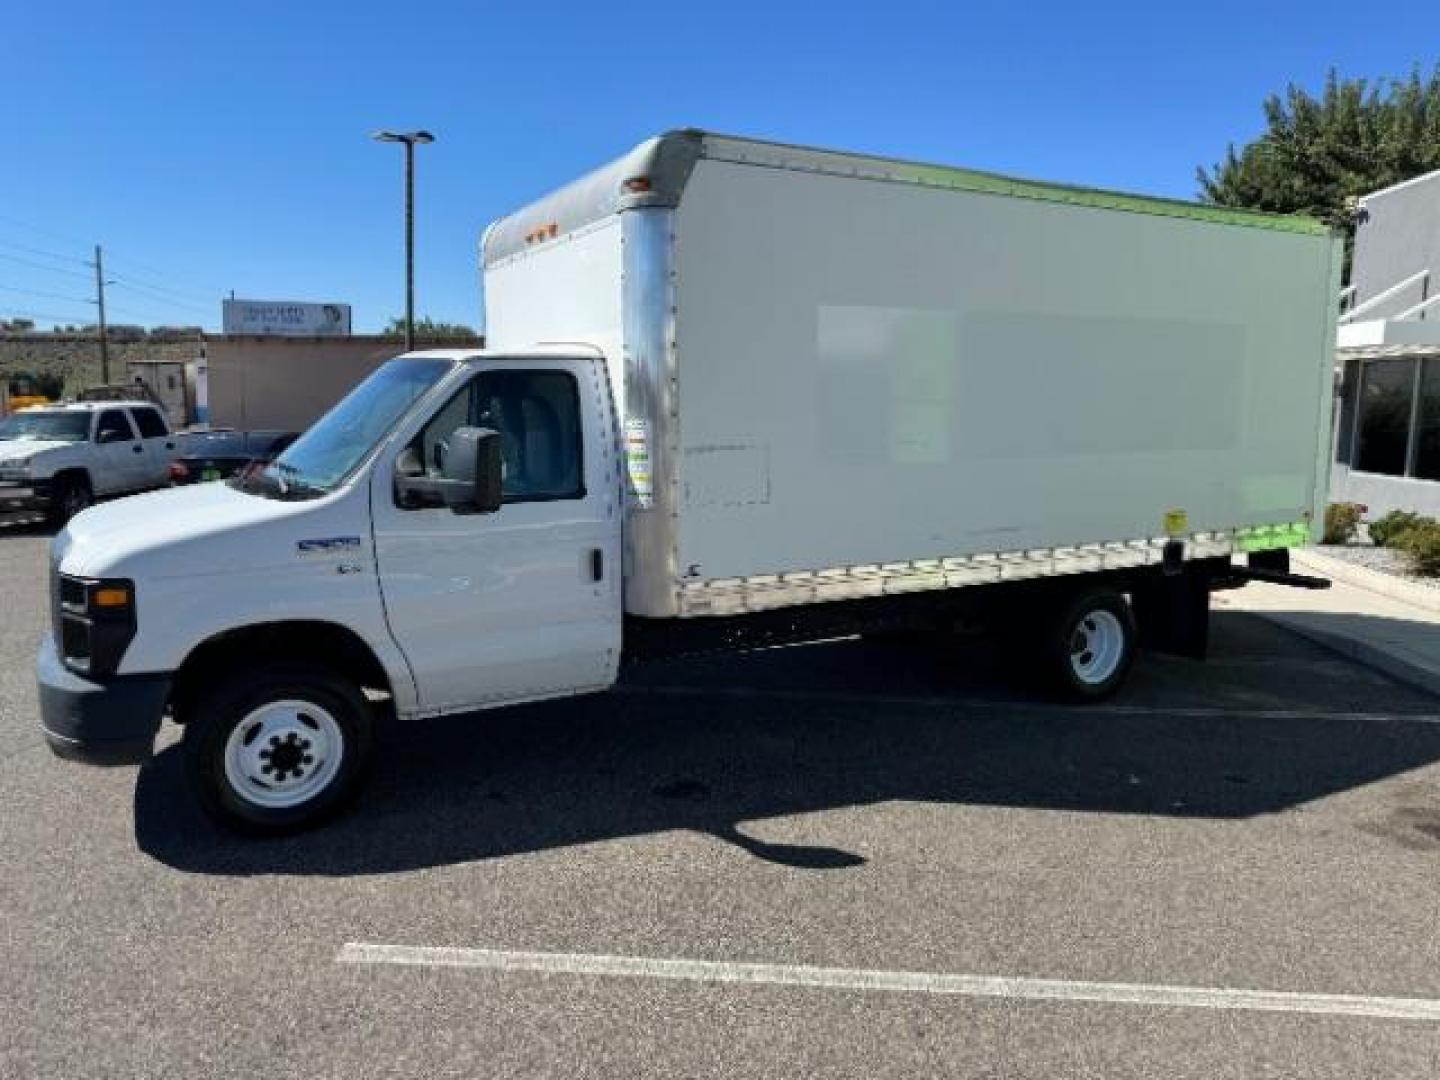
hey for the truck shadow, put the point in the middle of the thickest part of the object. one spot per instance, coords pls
(1270, 723)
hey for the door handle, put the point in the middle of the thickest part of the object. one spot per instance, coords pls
(597, 564)
(169, 446)
(137, 448)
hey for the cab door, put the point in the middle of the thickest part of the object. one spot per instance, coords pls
(121, 460)
(524, 602)
(159, 444)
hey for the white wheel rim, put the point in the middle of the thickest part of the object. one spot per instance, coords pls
(283, 754)
(1097, 645)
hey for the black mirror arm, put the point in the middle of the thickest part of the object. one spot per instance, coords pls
(419, 491)
(473, 484)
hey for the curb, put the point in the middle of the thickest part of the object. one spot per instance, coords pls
(1382, 660)
(1371, 580)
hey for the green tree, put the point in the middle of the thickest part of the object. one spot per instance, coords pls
(1318, 153)
(428, 328)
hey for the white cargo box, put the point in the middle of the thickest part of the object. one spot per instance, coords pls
(845, 376)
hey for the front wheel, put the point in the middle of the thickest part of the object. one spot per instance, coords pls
(278, 749)
(72, 495)
(1090, 645)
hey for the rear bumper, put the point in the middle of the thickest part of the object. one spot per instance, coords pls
(113, 722)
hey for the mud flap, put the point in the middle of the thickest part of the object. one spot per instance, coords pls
(1172, 614)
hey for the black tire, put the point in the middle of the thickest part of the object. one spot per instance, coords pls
(1102, 620)
(210, 722)
(71, 494)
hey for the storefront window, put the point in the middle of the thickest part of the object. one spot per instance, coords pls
(1427, 450)
(1383, 437)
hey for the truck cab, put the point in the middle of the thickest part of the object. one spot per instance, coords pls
(446, 539)
(59, 459)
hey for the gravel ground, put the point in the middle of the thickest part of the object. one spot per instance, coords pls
(1377, 558)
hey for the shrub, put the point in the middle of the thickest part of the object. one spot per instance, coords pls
(1386, 530)
(1421, 544)
(1342, 521)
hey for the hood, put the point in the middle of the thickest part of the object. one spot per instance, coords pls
(203, 529)
(14, 451)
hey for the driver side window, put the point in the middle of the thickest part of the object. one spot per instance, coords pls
(537, 414)
(113, 427)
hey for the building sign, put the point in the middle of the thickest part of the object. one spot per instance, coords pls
(286, 317)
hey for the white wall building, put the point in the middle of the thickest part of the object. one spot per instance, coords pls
(1387, 439)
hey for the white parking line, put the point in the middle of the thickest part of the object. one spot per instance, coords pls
(984, 986)
(1196, 712)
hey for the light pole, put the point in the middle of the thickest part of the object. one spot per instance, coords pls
(409, 138)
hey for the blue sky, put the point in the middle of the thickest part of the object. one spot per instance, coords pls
(211, 150)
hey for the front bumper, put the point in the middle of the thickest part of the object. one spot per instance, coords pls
(113, 722)
(26, 495)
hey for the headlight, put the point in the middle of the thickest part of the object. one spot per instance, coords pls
(95, 622)
(15, 470)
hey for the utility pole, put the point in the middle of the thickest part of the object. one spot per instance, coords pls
(100, 303)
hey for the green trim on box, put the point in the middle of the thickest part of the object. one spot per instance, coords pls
(873, 166)
(1271, 537)
(994, 184)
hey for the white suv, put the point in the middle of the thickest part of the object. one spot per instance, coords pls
(61, 458)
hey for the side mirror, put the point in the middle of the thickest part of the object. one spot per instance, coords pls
(470, 482)
(475, 457)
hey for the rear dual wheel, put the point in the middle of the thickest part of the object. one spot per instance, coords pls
(1089, 645)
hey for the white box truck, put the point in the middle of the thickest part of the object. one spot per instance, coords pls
(734, 393)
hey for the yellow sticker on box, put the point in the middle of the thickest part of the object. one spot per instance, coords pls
(1176, 522)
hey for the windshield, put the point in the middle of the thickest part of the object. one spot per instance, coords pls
(46, 427)
(321, 458)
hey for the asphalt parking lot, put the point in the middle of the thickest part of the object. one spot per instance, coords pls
(849, 859)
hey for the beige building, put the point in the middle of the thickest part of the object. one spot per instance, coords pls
(257, 382)
(251, 381)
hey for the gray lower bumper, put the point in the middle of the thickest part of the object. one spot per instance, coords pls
(100, 723)
(29, 496)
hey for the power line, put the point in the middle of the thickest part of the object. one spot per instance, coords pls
(147, 314)
(192, 299)
(42, 231)
(69, 320)
(160, 277)
(155, 284)
(154, 294)
(153, 298)
(158, 280)
(41, 252)
(153, 304)
(42, 266)
(46, 295)
(187, 295)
